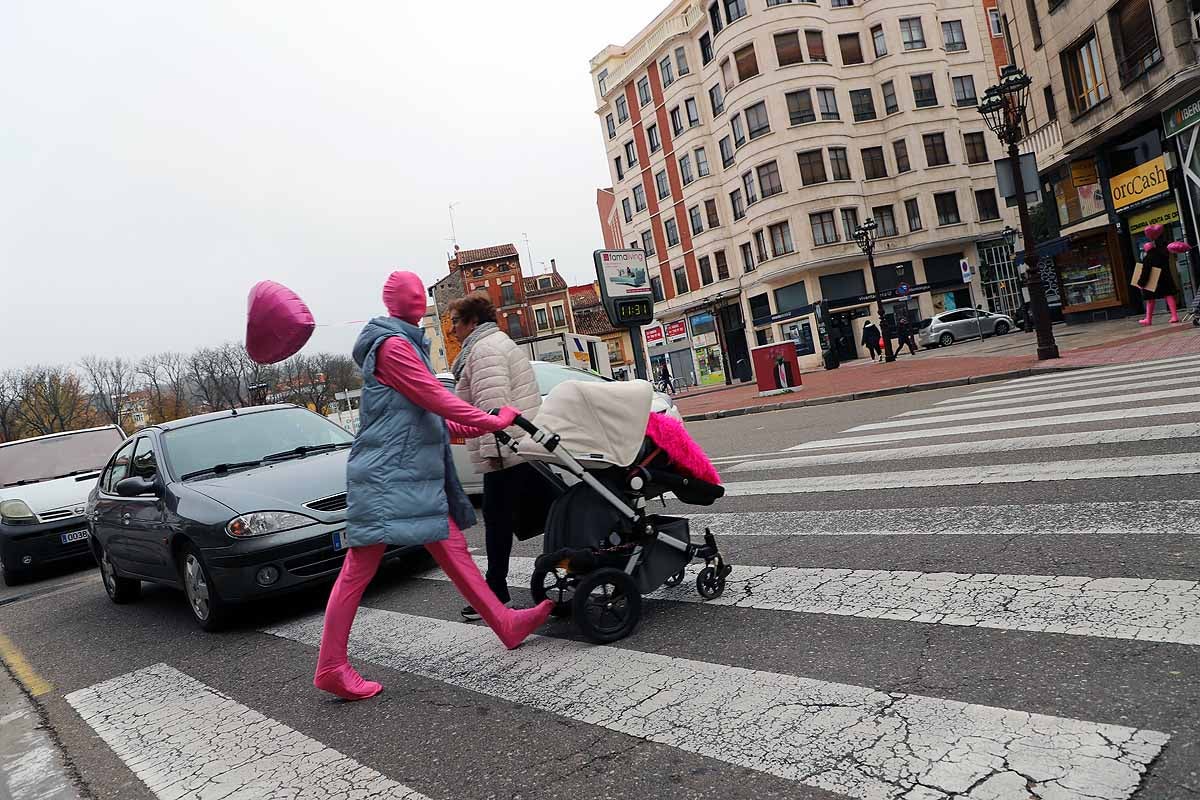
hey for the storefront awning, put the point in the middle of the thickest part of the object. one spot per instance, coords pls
(1095, 223)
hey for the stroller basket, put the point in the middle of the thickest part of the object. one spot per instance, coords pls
(660, 560)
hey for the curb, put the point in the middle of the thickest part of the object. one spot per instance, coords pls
(871, 393)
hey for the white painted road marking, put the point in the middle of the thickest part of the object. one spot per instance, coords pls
(1004, 400)
(1177, 362)
(852, 740)
(1046, 441)
(1110, 382)
(184, 739)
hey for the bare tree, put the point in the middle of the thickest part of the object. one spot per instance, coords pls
(168, 384)
(10, 406)
(52, 400)
(111, 380)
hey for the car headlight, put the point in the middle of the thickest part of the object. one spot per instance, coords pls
(16, 512)
(260, 523)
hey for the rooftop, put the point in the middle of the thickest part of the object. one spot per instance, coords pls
(464, 257)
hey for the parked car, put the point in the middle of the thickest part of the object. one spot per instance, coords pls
(44, 485)
(548, 376)
(230, 507)
(945, 329)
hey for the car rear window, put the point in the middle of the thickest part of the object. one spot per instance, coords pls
(43, 459)
(925, 323)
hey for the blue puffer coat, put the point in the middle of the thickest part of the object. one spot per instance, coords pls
(401, 482)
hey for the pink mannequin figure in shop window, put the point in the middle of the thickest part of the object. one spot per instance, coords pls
(1156, 254)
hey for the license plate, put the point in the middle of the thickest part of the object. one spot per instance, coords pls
(74, 536)
(339, 541)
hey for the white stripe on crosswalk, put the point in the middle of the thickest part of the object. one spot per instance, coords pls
(1057, 420)
(1179, 362)
(1111, 383)
(1121, 518)
(946, 415)
(1176, 381)
(976, 446)
(184, 739)
(851, 740)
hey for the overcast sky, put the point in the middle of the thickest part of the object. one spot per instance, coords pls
(157, 159)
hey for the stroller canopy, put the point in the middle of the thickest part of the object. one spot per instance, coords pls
(597, 423)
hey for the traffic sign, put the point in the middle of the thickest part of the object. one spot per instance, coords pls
(965, 266)
(902, 290)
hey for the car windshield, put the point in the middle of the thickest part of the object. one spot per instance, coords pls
(42, 459)
(248, 438)
(551, 375)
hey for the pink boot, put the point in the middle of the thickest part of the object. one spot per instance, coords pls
(1173, 308)
(334, 673)
(512, 627)
(1149, 318)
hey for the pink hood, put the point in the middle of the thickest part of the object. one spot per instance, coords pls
(404, 296)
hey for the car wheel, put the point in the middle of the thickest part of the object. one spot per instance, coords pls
(1001, 328)
(120, 590)
(946, 339)
(13, 577)
(208, 609)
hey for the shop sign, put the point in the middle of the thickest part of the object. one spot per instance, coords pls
(654, 335)
(1181, 117)
(676, 330)
(1159, 215)
(1140, 184)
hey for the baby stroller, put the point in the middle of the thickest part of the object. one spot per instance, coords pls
(602, 549)
(1193, 313)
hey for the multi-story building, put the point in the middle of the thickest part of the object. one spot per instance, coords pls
(746, 141)
(431, 324)
(549, 303)
(495, 271)
(1113, 115)
(610, 223)
(995, 30)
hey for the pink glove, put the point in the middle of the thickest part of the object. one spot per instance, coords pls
(504, 419)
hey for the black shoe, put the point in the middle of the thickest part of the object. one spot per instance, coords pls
(471, 615)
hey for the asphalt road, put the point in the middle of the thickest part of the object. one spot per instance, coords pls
(994, 613)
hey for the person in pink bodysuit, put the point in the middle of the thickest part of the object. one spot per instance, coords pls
(400, 367)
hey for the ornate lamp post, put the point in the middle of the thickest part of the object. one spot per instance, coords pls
(865, 236)
(1003, 108)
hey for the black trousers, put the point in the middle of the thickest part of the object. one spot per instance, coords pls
(501, 494)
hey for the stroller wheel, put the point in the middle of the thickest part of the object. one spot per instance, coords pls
(674, 580)
(607, 605)
(555, 585)
(710, 583)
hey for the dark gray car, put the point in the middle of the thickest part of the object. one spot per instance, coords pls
(229, 507)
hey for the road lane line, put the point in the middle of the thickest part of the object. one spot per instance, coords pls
(852, 740)
(1103, 391)
(1178, 362)
(21, 668)
(184, 739)
(1112, 383)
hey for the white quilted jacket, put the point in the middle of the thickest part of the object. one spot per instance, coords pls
(497, 373)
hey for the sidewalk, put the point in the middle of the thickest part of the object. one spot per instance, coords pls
(968, 362)
(31, 764)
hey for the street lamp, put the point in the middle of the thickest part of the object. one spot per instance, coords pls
(1003, 109)
(1010, 236)
(865, 236)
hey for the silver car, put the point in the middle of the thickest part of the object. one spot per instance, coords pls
(965, 323)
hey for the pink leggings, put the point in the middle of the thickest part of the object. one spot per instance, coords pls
(334, 673)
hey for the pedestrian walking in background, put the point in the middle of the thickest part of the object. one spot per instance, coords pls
(871, 338)
(904, 336)
(664, 379)
(492, 372)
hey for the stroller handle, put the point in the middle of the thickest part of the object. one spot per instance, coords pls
(519, 421)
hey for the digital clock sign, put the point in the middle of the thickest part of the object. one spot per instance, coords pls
(633, 312)
(625, 287)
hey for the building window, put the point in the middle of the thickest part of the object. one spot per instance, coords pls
(912, 34)
(885, 219)
(787, 48)
(671, 227)
(748, 263)
(935, 149)
(985, 203)
(976, 148)
(735, 10)
(508, 294)
(1048, 98)
(706, 276)
(924, 92)
(513, 322)
(540, 315)
(681, 65)
(630, 154)
(827, 102)
(696, 219)
(1135, 44)
(747, 62)
(947, 208)
(812, 167)
(771, 3)
(739, 133)
(726, 148)
(667, 71)
(863, 104)
(676, 121)
(643, 88)
(781, 239)
(1084, 73)
(735, 202)
(706, 51)
(620, 171)
(560, 319)
(839, 164)
(685, 169)
(681, 284)
(994, 22)
(815, 42)
(652, 137)
(851, 48)
(661, 183)
(849, 222)
(874, 165)
(800, 107)
(648, 242)
(952, 36)
(639, 198)
(900, 148)
(602, 81)
(880, 41)
(913, 210)
(757, 122)
(722, 265)
(622, 109)
(748, 185)
(1035, 24)
(760, 246)
(710, 211)
(841, 3)
(768, 179)
(824, 229)
(656, 290)
(890, 104)
(964, 91)
(693, 112)
(627, 208)
(716, 98)
(701, 162)
(611, 124)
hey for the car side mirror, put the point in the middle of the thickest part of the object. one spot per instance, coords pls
(136, 485)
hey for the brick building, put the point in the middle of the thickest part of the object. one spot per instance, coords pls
(495, 270)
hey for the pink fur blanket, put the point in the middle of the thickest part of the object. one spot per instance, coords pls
(681, 448)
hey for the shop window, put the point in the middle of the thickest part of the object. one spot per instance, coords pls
(760, 306)
(794, 295)
(1134, 39)
(1086, 275)
(841, 285)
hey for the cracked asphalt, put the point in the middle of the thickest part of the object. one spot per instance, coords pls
(994, 640)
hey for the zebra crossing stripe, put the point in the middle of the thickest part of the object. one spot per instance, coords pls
(956, 416)
(1058, 420)
(1046, 441)
(1119, 518)
(1103, 391)
(852, 740)
(1112, 384)
(1177, 362)
(184, 739)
